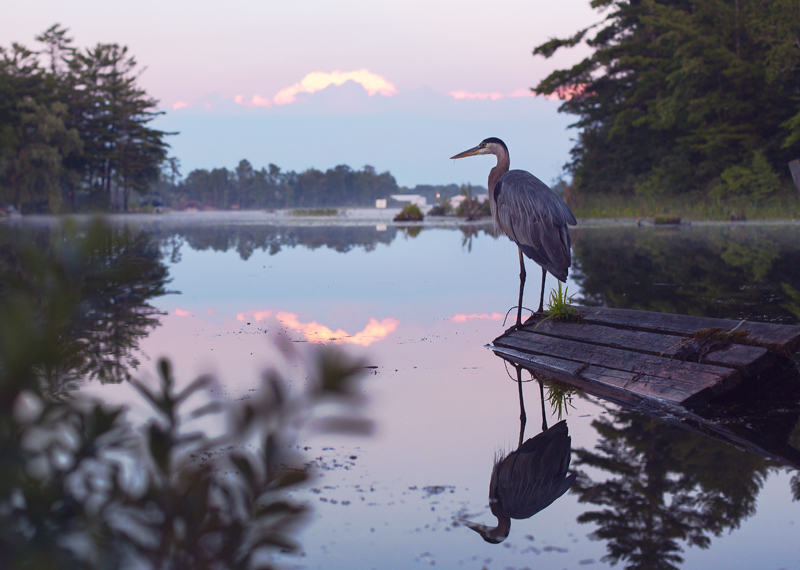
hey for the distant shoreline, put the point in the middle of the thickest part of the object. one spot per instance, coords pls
(345, 217)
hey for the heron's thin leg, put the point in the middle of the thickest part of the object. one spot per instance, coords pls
(521, 287)
(523, 419)
(541, 397)
(541, 296)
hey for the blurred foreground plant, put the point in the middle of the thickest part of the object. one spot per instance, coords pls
(82, 486)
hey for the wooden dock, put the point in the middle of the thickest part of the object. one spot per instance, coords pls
(638, 357)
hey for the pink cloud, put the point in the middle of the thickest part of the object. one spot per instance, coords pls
(374, 331)
(494, 96)
(566, 93)
(522, 93)
(463, 318)
(182, 313)
(180, 105)
(319, 80)
(255, 101)
(254, 314)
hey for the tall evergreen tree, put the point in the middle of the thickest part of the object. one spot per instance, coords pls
(683, 95)
(78, 124)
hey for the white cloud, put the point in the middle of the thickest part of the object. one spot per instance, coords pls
(316, 81)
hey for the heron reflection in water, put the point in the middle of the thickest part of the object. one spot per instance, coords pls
(530, 214)
(529, 479)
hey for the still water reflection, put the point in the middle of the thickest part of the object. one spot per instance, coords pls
(530, 478)
(417, 308)
(734, 272)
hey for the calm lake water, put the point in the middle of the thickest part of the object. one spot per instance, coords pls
(232, 297)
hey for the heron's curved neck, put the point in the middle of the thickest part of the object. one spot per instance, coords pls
(503, 163)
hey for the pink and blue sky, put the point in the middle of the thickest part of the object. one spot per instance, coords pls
(310, 83)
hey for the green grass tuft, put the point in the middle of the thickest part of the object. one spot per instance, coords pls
(560, 305)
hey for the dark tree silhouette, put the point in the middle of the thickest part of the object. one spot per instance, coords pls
(666, 487)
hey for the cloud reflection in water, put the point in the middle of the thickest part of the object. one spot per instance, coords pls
(374, 331)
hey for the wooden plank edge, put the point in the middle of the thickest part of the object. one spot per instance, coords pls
(631, 388)
(748, 368)
(669, 369)
(762, 333)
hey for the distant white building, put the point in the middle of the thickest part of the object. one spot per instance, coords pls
(455, 201)
(411, 199)
(381, 203)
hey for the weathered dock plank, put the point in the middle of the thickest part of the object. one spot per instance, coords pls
(618, 385)
(641, 355)
(777, 338)
(648, 375)
(749, 360)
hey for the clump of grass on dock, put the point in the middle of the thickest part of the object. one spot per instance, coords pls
(559, 307)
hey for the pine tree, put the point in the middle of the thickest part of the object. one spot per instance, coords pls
(678, 93)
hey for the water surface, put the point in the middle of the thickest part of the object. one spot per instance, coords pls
(419, 305)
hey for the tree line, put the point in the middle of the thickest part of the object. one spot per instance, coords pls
(74, 126)
(248, 188)
(682, 97)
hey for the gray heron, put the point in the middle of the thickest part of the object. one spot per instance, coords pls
(530, 214)
(528, 480)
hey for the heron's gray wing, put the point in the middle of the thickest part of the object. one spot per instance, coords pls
(534, 476)
(536, 219)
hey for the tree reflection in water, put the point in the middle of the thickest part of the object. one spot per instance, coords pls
(94, 289)
(704, 271)
(245, 239)
(83, 487)
(653, 487)
(665, 485)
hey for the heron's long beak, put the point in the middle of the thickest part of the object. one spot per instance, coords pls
(471, 152)
(493, 535)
